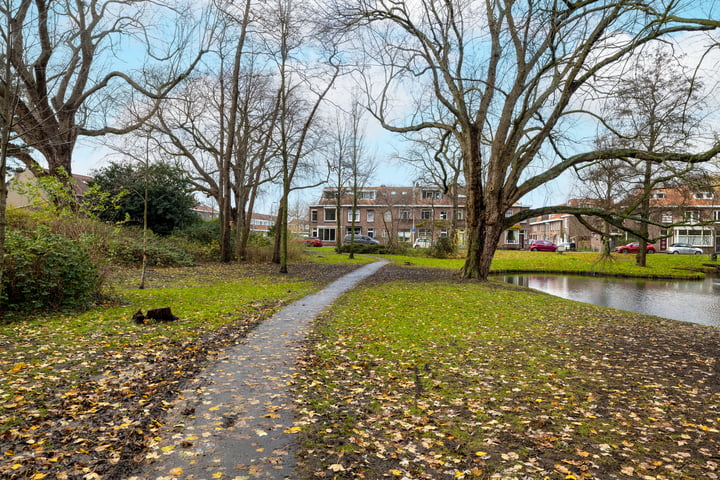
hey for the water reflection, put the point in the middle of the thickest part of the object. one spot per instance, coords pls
(691, 301)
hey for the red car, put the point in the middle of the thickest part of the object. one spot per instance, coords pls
(313, 242)
(542, 246)
(634, 247)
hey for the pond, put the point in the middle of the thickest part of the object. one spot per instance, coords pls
(695, 301)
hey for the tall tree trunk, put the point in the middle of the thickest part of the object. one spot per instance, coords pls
(278, 234)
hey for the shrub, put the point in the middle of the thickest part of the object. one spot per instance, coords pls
(47, 270)
(127, 249)
(442, 248)
(363, 249)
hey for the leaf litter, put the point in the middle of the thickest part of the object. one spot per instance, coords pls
(413, 379)
(88, 404)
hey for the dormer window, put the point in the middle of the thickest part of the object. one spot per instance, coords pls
(703, 195)
(366, 195)
(431, 195)
(659, 195)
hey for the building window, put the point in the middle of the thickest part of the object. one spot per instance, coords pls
(511, 237)
(350, 215)
(313, 215)
(697, 237)
(703, 195)
(692, 216)
(426, 214)
(431, 195)
(443, 215)
(405, 214)
(404, 235)
(667, 217)
(458, 214)
(508, 213)
(366, 195)
(330, 194)
(370, 216)
(659, 195)
(371, 232)
(716, 215)
(326, 234)
(387, 216)
(424, 233)
(348, 230)
(330, 215)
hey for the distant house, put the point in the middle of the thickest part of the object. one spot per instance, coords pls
(206, 212)
(688, 216)
(262, 223)
(259, 222)
(24, 176)
(398, 215)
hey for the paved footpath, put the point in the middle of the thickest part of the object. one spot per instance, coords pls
(235, 420)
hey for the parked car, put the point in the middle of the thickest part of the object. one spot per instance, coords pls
(361, 239)
(566, 247)
(634, 247)
(422, 243)
(542, 246)
(685, 248)
(313, 242)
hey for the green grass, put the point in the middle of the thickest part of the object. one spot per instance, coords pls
(436, 380)
(658, 265)
(82, 343)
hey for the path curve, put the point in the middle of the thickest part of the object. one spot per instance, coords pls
(234, 421)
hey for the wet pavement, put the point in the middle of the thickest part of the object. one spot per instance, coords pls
(235, 420)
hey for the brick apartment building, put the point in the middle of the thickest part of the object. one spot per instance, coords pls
(397, 215)
(680, 216)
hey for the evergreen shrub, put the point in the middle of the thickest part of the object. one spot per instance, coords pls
(47, 270)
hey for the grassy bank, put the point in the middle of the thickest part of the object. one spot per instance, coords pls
(658, 265)
(442, 379)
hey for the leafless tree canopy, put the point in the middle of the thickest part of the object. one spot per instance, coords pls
(78, 64)
(511, 81)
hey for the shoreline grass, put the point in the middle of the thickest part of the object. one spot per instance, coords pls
(483, 380)
(659, 266)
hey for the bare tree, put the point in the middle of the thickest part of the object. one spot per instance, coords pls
(510, 78)
(603, 184)
(59, 53)
(7, 118)
(438, 161)
(655, 108)
(361, 167)
(302, 90)
(338, 169)
(221, 123)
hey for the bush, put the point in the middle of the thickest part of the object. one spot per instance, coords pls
(442, 248)
(202, 232)
(363, 249)
(47, 270)
(127, 249)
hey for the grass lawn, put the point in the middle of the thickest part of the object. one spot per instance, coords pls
(83, 392)
(658, 265)
(449, 379)
(410, 377)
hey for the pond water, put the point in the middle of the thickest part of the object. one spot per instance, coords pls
(695, 301)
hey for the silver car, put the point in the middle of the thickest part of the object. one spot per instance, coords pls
(361, 239)
(684, 248)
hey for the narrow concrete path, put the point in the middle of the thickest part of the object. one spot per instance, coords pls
(235, 420)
